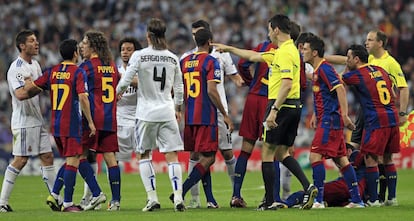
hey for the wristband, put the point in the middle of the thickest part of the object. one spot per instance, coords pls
(275, 108)
(402, 113)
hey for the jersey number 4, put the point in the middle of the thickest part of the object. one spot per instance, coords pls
(158, 78)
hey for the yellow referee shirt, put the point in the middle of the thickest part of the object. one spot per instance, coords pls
(389, 64)
(284, 62)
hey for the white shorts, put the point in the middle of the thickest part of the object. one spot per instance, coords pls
(165, 135)
(126, 142)
(31, 141)
(224, 142)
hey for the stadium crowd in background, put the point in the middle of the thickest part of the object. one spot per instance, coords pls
(238, 23)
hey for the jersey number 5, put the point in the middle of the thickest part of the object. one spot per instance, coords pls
(108, 90)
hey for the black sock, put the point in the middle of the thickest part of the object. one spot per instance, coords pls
(382, 182)
(295, 168)
(268, 173)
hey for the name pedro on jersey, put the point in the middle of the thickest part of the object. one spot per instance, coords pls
(158, 58)
(61, 75)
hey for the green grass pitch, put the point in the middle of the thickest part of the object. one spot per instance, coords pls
(29, 195)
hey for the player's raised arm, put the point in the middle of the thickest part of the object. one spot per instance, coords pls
(336, 59)
(243, 53)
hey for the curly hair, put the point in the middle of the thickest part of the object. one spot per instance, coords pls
(99, 43)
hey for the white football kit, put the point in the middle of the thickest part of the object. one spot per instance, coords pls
(159, 74)
(31, 136)
(125, 116)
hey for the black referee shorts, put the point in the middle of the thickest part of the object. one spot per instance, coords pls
(288, 118)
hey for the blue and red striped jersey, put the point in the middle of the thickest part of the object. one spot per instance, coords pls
(102, 80)
(258, 84)
(198, 69)
(374, 87)
(327, 110)
(65, 81)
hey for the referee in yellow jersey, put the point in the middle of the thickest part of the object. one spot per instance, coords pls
(283, 110)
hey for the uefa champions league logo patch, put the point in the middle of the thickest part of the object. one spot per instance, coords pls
(19, 77)
(217, 73)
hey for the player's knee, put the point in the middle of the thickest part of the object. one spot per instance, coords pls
(371, 159)
(19, 162)
(227, 154)
(46, 159)
(145, 155)
(208, 158)
(110, 159)
(195, 156)
(387, 158)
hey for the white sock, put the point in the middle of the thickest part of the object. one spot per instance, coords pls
(8, 183)
(231, 167)
(285, 180)
(146, 170)
(176, 178)
(48, 176)
(87, 193)
(95, 168)
(195, 190)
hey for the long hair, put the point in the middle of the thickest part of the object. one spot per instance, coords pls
(156, 31)
(99, 44)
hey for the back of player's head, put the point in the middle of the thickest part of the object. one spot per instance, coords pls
(317, 44)
(21, 38)
(132, 40)
(67, 48)
(302, 37)
(156, 32)
(381, 36)
(282, 22)
(202, 37)
(200, 24)
(360, 52)
(294, 30)
(99, 44)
